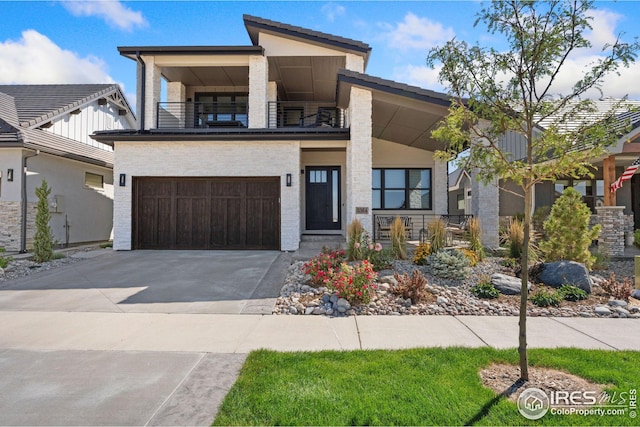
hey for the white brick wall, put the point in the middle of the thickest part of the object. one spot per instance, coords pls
(209, 159)
(485, 206)
(359, 158)
(152, 92)
(354, 62)
(258, 79)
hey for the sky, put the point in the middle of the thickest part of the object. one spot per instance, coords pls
(44, 42)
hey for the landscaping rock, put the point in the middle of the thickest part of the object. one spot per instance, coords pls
(617, 303)
(442, 300)
(507, 285)
(342, 305)
(384, 287)
(621, 311)
(390, 280)
(556, 274)
(293, 310)
(309, 310)
(333, 299)
(602, 310)
(636, 293)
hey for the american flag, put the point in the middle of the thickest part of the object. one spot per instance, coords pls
(626, 175)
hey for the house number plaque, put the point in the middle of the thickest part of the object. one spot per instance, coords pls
(360, 210)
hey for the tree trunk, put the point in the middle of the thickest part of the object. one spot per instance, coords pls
(524, 292)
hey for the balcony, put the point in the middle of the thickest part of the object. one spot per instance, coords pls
(202, 115)
(289, 114)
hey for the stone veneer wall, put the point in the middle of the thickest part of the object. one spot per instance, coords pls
(612, 219)
(10, 227)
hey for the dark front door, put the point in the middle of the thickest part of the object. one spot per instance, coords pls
(206, 213)
(323, 198)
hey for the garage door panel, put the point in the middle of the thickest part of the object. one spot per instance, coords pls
(207, 213)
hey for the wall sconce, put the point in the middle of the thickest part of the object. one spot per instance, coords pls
(9, 174)
(123, 180)
(288, 180)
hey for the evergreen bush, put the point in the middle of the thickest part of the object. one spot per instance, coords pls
(43, 239)
(567, 230)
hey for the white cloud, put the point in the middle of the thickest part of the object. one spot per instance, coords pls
(416, 33)
(418, 75)
(35, 59)
(604, 25)
(112, 11)
(332, 10)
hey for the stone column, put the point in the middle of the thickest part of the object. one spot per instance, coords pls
(612, 235)
(359, 158)
(485, 203)
(354, 63)
(440, 196)
(258, 80)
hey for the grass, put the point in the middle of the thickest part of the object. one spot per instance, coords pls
(405, 387)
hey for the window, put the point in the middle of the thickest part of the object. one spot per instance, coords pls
(221, 109)
(460, 200)
(401, 188)
(93, 180)
(591, 190)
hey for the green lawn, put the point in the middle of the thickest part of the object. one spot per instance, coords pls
(406, 387)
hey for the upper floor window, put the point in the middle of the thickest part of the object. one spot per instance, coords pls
(221, 109)
(401, 188)
(93, 180)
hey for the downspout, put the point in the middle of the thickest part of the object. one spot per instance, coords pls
(143, 90)
(23, 240)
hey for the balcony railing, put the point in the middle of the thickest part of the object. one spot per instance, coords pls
(202, 115)
(304, 115)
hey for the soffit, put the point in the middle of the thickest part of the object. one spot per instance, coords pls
(305, 78)
(208, 76)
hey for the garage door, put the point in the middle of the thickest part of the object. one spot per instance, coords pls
(206, 213)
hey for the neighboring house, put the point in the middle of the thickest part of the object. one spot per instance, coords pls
(257, 145)
(44, 131)
(595, 190)
(459, 192)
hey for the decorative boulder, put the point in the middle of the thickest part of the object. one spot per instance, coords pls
(556, 274)
(636, 293)
(507, 285)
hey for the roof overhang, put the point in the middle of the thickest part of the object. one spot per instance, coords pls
(401, 113)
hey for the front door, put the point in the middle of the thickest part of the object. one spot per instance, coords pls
(323, 198)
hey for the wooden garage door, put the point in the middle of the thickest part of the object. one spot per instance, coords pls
(206, 213)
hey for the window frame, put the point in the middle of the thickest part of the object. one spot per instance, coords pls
(91, 187)
(407, 189)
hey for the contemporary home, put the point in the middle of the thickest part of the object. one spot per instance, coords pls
(255, 146)
(44, 134)
(624, 204)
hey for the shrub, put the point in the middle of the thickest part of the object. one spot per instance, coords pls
(600, 259)
(4, 260)
(43, 239)
(485, 289)
(471, 256)
(421, 253)
(617, 290)
(475, 242)
(572, 293)
(437, 230)
(379, 257)
(355, 237)
(353, 283)
(412, 287)
(398, 239)
(636, 238)
(515, 237)
(546, 297)
(449, 264)
(510, 263)
(320, 267)
(567, 230)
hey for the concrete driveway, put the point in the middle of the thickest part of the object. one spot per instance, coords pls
(212, 282)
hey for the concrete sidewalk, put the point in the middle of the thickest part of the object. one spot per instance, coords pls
(220, 333)
(79, 368)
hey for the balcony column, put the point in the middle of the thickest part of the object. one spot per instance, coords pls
(258, 82)
(152, 92)
(484, 206)
(354, 63)
(177, 92)
(359, 160)
(440, 194)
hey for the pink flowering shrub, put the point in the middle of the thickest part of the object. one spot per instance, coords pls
(319, 267)
(353, 283)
